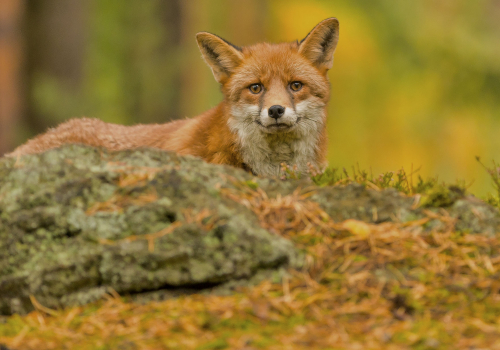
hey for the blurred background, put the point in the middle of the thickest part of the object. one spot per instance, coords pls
(414, 83)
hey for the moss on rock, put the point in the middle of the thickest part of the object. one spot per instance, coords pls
(77, 221)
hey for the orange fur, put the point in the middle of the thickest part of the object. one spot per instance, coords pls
(226, 134)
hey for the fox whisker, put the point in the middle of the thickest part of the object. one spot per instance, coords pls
(312, 120)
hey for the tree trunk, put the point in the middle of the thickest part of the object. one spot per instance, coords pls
(11, 12)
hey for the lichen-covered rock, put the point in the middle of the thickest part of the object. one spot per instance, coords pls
(475, 216)
(357, 202)
(76, 222)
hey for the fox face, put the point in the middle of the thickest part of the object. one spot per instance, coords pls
(276, 91)
(276, 96)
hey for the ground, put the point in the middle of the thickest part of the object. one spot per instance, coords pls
(148, 250)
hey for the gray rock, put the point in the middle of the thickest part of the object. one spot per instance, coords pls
(53, 248)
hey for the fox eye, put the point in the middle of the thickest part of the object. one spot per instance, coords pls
(295, 85)
(255, 88)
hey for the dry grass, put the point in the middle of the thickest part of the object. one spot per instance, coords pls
(386, 286)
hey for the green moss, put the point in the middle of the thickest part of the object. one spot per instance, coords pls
(12, 327)
(440, 196)
(252, 184)
(213, 345)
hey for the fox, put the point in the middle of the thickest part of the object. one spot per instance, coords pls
(273, 110)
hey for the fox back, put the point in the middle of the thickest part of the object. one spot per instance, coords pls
(273, 112)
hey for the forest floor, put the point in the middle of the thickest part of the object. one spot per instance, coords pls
(364, 286)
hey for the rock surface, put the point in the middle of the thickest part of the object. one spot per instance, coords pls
(78, 222)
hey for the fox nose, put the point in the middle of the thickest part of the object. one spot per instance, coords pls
(276, 111)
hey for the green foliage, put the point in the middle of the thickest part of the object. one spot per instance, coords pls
(435, 194)
(494, 172)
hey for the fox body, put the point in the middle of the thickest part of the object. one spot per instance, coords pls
(273, 112)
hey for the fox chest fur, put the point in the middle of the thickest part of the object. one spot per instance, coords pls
(273, 111)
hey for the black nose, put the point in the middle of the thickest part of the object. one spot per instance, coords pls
(276, 111)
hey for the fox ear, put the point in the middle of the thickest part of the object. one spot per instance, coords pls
(319, 45)
(221, 56)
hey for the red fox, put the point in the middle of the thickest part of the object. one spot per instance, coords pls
(273, 112)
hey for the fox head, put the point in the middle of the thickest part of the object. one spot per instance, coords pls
(274, 86)
(275, 91)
